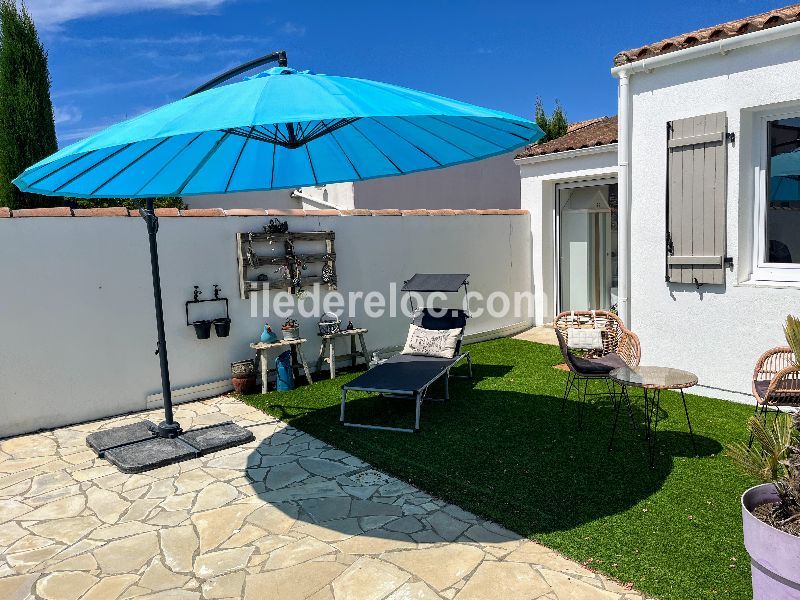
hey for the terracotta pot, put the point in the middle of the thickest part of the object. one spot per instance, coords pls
(774, 554)
(243, 369)
(243, 385)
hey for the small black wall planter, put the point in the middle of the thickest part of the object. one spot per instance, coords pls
(222, 327)
(202, 329)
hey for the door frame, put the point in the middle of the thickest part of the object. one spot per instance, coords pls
(568, 185)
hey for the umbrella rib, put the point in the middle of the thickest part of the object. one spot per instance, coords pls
(347, 156)
(498, 129)
(311, 164)
(389, 129)
(467, 131)
(203, 162)
(274, 151)
(62, 167)
(129, 165)
(99, 162)
(378, 148)
(166, 164)
(446, 141)
(279, 134)
(238, 157)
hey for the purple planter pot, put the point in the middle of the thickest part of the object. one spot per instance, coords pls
(774, 555)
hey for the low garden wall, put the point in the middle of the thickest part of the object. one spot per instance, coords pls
(77, 329)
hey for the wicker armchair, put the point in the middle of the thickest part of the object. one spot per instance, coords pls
(776, 381)
(617, 339)
(620, 347)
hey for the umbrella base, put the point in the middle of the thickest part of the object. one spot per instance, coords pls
(140, 447)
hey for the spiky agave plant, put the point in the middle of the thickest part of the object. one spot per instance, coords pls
(792, 332)
(786, 513)
(764, 459)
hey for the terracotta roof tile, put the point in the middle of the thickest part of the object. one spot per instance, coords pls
(773, 18)
(585, 134)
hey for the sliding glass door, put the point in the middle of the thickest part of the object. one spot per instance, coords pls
(587, 240)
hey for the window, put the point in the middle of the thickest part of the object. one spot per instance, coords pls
(777, 247)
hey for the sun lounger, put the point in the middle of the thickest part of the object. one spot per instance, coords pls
(410, 376)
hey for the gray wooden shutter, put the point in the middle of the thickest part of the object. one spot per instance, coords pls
(696, 177)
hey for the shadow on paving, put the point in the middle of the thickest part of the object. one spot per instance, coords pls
(511, 456)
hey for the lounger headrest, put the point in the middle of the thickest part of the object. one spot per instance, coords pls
(440, 318)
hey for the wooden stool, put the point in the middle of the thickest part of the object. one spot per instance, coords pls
(262, 351)
(328, 348)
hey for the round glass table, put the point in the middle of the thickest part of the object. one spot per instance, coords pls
(652, 380)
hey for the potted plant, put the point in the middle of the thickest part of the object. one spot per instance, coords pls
(771, 511)
(291, 330)
(243, 376)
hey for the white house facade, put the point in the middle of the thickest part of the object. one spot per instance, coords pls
(567, 257)
(708, 202)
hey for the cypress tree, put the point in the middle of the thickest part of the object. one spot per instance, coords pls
(558, 121)
(553, 126)
(27, 128)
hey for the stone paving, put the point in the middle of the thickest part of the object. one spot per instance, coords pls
(283, 517)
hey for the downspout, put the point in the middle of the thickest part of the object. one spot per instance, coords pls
(624, 198)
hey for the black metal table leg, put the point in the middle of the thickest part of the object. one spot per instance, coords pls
(617, 404)
(689, 422)
(656, 402)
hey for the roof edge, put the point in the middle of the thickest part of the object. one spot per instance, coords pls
(528, 160)
(716, 34)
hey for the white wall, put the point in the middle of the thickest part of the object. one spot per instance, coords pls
(77, 331)
(540, 175)
(489, 183)
(338, 195)
(273, 199)
(719, 331)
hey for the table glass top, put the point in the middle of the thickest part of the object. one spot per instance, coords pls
(654, 377)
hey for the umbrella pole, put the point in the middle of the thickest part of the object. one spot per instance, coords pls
(167, 428)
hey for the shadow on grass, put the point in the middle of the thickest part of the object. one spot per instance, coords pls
(510, 456)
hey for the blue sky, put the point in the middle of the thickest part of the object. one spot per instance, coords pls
(114, 59)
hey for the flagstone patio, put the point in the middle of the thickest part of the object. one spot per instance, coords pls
(286, 516)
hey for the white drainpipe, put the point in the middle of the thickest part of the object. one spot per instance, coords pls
(624, 200)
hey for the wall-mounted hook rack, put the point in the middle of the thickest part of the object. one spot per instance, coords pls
(222, 325)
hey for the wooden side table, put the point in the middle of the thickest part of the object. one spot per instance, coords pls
(262, 357)
(328, 348)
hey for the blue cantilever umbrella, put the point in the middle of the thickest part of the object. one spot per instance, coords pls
(282, 128)
(279, 129)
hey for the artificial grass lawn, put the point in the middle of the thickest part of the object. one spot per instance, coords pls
(501, 448)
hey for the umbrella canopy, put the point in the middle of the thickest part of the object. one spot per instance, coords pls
(282, 128)
(784, 170)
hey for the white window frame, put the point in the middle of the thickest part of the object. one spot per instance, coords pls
(763, 270)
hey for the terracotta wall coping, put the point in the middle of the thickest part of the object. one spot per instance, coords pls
(119, 211)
